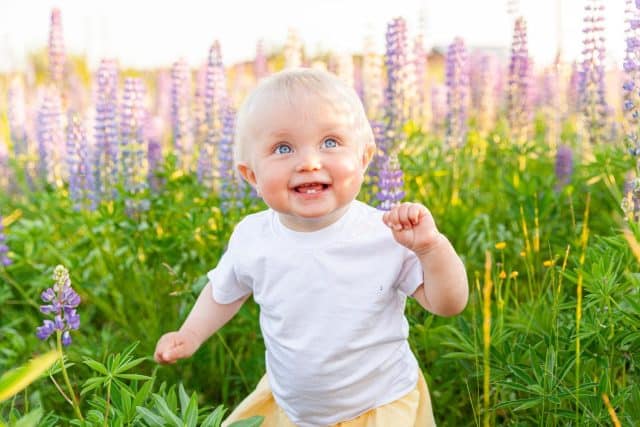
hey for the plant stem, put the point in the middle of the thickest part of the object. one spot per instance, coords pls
(107, 405)
(584, 237)
(486, 330)
(76, 406)
(60, 390)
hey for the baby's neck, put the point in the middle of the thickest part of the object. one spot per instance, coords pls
(302, 224)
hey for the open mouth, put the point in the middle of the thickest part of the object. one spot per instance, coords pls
(311, 188)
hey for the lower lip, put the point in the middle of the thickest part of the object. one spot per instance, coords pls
(311, 196)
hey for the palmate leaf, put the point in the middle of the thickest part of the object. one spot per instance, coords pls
(12, 382)
(151, 418)
(165, 411)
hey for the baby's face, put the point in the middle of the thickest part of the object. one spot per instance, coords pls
(307, 162)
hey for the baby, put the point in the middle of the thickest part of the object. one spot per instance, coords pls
(330, 274)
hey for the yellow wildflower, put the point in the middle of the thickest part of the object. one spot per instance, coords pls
(513, 275)
(502, 275)
(549, 263)
(501, 245)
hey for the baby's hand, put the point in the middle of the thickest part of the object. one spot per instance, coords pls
(413, 227)
(173, 346)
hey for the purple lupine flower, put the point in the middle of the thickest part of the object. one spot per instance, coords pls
(216, 100)
(79, 164)
(133, 146)
(153, 136)
(520, 74)
(229, 185)
(483, 79)
(61, 302)
(564, 166)
(372, 81)
(418, 107)
(132, 116)
(4, 249)
(260, 66)
(379, 137)
(593, 102)
(50, 136)
(57, 56)
(181, 119)
(631, 105)
(438, 109)
(199, 129)
(457, 81)
(216, 85)
(390, 183)
(573, 89)
(396, 66)
(106, 130)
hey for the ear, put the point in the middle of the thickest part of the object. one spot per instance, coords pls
(248, 174)
(367, 155)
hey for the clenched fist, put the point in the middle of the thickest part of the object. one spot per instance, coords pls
(413, 227)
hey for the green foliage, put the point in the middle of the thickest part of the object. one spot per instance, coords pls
(139, 276)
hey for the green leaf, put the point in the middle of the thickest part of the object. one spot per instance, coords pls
(129, 365)
(96, 366)
(12, 382)
(214, 419)
(190, 416)
(134, 377)
(91, 384)
(31, 419)
(151, 418)
(184, 399)
(143, 393)
(249, 422)
(165, 412)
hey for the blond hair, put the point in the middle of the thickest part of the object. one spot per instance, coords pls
(287, 86)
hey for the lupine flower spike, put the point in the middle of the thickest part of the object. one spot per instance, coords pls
(4, 249)
(61, 302)
(592, 85)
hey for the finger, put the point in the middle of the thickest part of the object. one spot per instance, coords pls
(403, 215)
(416, 213)
(394, 221)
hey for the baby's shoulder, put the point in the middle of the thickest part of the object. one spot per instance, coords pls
(253, 225)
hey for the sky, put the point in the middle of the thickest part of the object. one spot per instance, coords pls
(144, 33)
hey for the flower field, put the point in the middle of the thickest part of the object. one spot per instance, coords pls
(117, 195)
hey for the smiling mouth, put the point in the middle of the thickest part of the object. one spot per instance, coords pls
(311, 188)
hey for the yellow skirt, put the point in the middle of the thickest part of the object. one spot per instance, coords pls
(412, 410)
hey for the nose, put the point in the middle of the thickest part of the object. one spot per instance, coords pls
(309, 161)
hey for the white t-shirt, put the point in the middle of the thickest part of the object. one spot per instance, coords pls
(331, 311)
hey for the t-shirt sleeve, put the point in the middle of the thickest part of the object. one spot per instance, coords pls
(411, 275)
(225, 285)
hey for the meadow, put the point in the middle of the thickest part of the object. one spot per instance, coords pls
(124, 178)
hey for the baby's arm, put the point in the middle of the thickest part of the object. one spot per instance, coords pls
(445, 290)
(205, 318)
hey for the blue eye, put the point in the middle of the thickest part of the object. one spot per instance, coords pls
(282, 149)
(329, 143)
